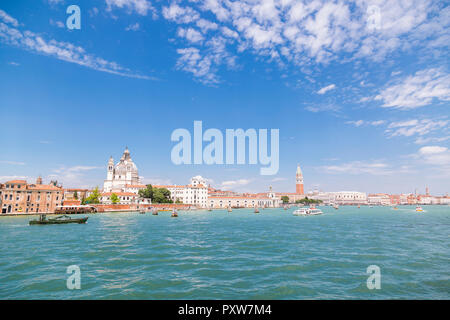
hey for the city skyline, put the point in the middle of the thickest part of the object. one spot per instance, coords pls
(360, 109)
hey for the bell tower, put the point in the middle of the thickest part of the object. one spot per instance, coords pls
(110, 173)
(299, 181)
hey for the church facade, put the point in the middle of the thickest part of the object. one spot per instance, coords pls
(121, 174)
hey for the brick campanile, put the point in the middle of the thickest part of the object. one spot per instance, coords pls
(299, 181)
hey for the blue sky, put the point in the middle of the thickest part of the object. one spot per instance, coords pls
(360, 90)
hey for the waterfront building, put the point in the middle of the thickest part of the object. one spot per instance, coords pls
(75, 194)
(20, 197)
(121, 174)
(134, 188)
(350, 198)
(124, 197)
(195, 193)
(379, 199)
(245, 200)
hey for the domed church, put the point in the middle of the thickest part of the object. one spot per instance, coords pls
(123, 173)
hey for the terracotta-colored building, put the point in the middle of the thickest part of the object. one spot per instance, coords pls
(20, 197)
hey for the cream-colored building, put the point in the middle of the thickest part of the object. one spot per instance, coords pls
(123, 173)
(195, 193)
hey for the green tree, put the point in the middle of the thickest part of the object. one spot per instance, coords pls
(75, 195)
(285, 199)
(306, 200)
(94, 198)
(114, 198)
(146, 193)
(161, 195)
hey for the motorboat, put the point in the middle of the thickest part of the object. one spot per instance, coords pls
(419, 209)
(307, 212)
(58, 220)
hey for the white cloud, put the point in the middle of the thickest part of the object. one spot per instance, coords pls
(360, 167)
(359, 123)
(326, 89)
(412, 127)
(17, 163)
(417, 90)
(142, 7)
(421, 140)
(133, 27)
(226, 185)
(323, 108)
(65, 51)
(72, 175)
(436, 156)
(8, 19)
(305, 32)
(14, 63)
(58, 24)
(179, 14)
(190, 34)
(156, 181)
(9, 178)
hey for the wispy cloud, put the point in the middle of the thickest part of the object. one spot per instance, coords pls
(8, 178)
(142, 7)
(28, 40)
(300, 33)
(17, 163)
(412, 127)
(226, 185)
(436, 156)
(359, 167)
(417, 91)
(326, 89)
(359, 123)
(323, 108)
(72, 176)
(133, 27)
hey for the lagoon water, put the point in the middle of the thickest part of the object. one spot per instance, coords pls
(238, 255)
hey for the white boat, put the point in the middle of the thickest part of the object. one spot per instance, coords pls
(307, 212)
(419, 209)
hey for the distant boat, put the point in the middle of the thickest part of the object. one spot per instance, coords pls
(419, 209)
(58, 220)
(155, 212)
(256, 210)
(142, 211)
(395, 208)
(229, 209)
(335, 206)
(210, 209)
(174, 214)
(307, 212)
(285, 207)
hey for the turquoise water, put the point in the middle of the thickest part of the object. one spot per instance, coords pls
(238, 255)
